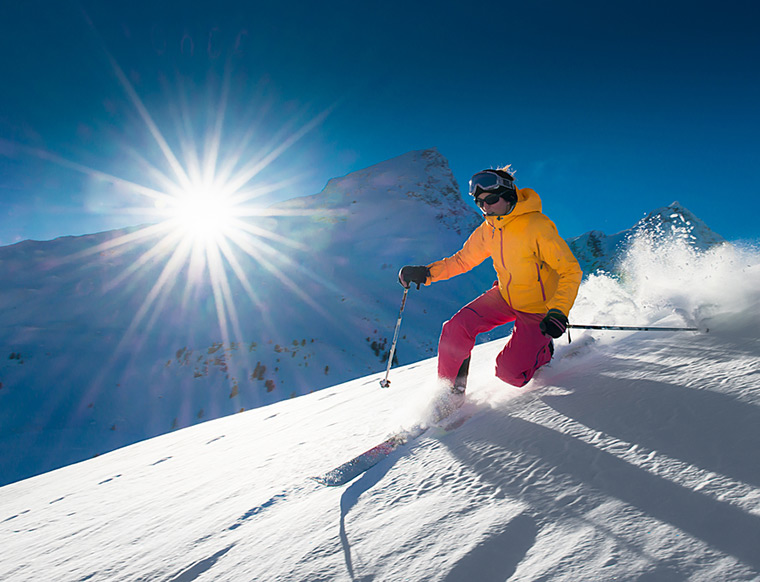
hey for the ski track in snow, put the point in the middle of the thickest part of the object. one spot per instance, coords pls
(629, 457)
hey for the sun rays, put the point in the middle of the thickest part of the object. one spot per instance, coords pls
(207, 224)
(199, 169)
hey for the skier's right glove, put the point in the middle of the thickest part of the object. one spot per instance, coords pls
(408, 275)
(554, 323)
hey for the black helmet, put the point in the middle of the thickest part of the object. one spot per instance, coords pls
(497, 182)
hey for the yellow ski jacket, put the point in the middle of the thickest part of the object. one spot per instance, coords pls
(535, 267)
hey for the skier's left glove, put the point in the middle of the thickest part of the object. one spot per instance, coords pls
(554, 323)
(413, 274)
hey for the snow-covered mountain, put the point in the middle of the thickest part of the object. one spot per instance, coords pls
(631, 457)
(104, 350)
(598, 251)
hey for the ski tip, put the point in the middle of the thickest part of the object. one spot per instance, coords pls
(337, 477)
(330, 480)
(321, 480)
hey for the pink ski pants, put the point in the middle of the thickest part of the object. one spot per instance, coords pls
(526, 351)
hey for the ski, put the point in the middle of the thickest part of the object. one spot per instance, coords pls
(350, 470)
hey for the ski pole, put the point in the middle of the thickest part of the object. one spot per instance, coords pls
(627, 328)
(631, 328)
(385, 383)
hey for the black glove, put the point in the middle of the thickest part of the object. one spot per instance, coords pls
(554, 323)
(408, 275)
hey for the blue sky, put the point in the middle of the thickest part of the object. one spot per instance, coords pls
(607, 109)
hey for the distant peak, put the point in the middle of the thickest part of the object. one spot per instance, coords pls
(430, 154)
(675, 206)
(418, 175)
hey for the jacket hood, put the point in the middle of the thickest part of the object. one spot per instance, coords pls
(528, 201)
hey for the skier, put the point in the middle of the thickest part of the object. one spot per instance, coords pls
(538, 280)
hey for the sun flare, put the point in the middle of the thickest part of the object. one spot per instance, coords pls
(202, 213)
(210, 226)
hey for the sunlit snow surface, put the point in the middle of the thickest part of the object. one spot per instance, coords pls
(632, 456)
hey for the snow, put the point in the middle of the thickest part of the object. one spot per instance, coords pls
(632, 456)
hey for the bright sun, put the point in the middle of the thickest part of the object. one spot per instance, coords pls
(202, 213)
(204, 218)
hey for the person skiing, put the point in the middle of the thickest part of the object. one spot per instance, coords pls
(538, 280)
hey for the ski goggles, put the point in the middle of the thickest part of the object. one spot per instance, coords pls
(489, 182)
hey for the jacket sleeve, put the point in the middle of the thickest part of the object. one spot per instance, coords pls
(474, 252)
(555, 252)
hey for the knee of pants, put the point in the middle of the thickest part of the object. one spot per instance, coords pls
(512, 377)
(516, 369)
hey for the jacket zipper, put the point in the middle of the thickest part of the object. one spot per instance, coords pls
(540, 281)
(504, 265)
(509, 297)
(501, 249)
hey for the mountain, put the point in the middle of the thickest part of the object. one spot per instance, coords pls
(115, 337)
(108, 342)
(598, 251)
(630, 457)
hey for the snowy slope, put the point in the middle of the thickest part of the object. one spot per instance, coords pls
(630, 457)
